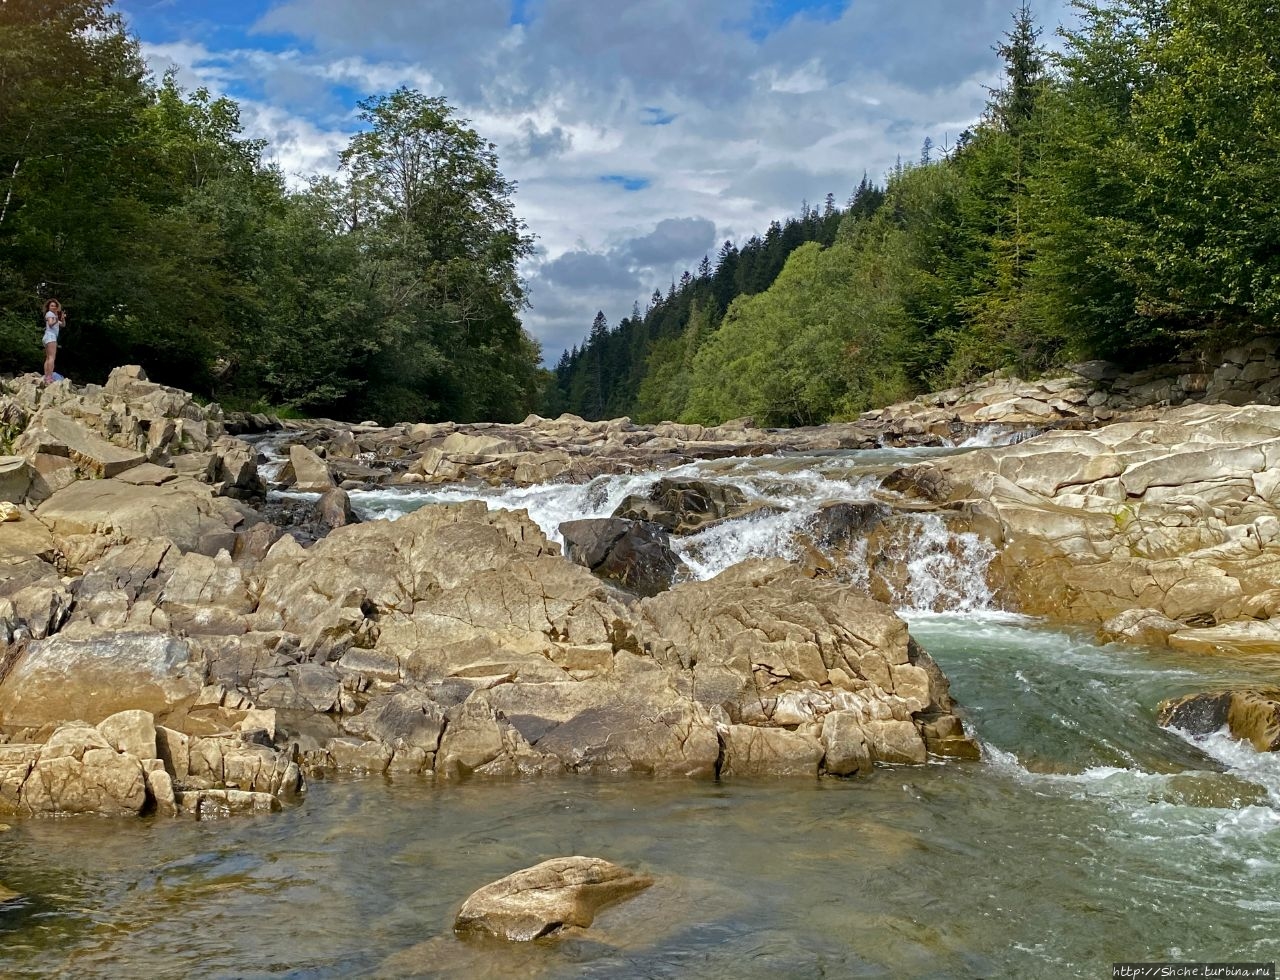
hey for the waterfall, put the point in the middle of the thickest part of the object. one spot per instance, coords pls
(941, 570)
(914, 561)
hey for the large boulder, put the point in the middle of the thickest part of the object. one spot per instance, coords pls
(112, 512)
(55, 434)
(684, 506)
(547, 898)
(309, 472)
(634, 554)
(77, 771)
(92, 672)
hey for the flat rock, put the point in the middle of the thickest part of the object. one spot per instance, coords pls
(97, 672)
(55, 434)
(548, 897)
(185, 512)
(148, 475)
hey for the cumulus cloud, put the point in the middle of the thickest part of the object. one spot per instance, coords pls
(673, 240)
(640, 133)
(583, 270)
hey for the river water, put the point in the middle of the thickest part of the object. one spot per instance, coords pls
(1086, 835)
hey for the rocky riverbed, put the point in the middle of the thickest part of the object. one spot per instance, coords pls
(148, 584)
(142, 582)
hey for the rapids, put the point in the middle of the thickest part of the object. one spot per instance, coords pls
(1086, 835)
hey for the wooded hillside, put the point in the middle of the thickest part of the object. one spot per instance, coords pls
(1119, 200)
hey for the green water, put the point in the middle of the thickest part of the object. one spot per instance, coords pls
(1086, 836)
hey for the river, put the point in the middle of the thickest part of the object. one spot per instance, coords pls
(1086, 835)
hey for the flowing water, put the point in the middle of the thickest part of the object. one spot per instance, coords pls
(1086, 835)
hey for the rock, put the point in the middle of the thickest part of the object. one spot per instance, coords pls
(52, 433)
(1249, 715)
(132, 732)
(750, 751)
(837, 524)
(1139, 626)
(15, 478)
(78, 771)
(211, 804)
(546, 898)
(845, 744)
(311, 474)
(148, 475)
(334, 508)
(97, 672)
(9, 512)
(684, 506)
(636, 555)
(183, 511)
(8, 895)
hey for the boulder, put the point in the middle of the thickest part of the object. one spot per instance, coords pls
(110, 511)
(1252, 716)
(310, 473)
(542, 900)
(636, 555)
(684, 506)
(52, 433)
(15, 478)
(1148, 626)
(95, 672)
(837, 524)
(79, 771)
(334, 508)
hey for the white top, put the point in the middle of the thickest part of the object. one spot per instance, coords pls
(52, 324)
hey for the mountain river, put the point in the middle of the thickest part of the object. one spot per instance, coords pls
(1086, 834)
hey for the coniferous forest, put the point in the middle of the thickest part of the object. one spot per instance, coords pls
(1120, 198)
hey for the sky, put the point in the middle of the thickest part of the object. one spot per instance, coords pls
(642, 134)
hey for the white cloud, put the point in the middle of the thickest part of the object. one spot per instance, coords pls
(730, 130)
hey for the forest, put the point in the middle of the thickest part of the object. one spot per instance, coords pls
(389, 291)
(1119, 199)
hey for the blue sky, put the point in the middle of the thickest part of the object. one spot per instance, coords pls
(641, 133)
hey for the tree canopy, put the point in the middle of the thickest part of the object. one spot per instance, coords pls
(390, 290)
(1119, 200)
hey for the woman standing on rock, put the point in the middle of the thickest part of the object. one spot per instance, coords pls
(55, 318)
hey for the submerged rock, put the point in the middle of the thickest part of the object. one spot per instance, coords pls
(1250, 716)
(542, 900)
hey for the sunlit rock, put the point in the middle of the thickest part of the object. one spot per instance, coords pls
(562, 893)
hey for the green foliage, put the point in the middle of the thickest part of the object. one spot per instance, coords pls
(392, 293)
(1119, 200)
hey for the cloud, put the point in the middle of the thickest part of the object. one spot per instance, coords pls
(640, 133)
(581, 270)
(674, 240)
(534, 143)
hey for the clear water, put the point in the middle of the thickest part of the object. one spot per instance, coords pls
(1086, 835)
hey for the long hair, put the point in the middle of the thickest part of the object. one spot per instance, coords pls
(50, 303)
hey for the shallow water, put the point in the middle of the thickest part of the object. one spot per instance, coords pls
(1086, 835)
